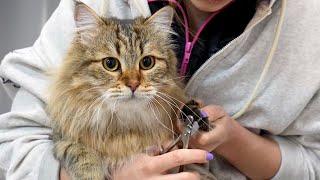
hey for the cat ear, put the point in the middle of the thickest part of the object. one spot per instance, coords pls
(87, 21)
(162, 19)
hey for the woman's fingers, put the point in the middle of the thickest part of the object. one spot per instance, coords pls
(155, 167)
(207, 140)
(214, 112)
(210, 140)
(177, 158)
(180, 176)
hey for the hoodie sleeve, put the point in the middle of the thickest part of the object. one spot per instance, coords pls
(301, 153)
(25, 143)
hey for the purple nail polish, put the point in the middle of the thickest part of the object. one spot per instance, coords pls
(203, 114)
(209, 156)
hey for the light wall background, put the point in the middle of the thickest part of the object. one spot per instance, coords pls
(20, 25)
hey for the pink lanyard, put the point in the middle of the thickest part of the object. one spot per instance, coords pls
(189, 44)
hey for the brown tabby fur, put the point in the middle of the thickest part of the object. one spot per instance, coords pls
(96, 121)
(98, 125)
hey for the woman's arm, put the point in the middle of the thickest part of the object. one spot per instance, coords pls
(255, 156)
(278, 157)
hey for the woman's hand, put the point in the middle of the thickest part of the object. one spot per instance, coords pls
(248, 152)
(222, 132)
(155, 167)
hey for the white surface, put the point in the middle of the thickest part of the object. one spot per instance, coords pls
(20, 25)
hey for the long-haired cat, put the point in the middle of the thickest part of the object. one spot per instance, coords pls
(115, 94)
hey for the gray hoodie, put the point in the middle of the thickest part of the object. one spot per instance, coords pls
(286, 107)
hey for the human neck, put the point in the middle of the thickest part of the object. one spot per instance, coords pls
(196, 16)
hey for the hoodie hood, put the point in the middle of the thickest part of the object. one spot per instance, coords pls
(125, 9)
(121, 9)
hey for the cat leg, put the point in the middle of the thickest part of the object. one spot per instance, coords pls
(80, 162)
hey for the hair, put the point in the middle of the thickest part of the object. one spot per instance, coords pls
(94, 110)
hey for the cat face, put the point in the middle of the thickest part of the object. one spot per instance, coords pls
(125, 60)
(118, 80)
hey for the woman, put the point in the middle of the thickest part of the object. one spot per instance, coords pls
(276, 135)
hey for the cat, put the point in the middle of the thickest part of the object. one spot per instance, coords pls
(115, 94)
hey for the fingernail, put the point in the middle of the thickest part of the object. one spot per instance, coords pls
(209, 156)
(203, 114)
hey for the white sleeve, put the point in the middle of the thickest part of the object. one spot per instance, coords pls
(25, 143)
(298, 161)
(300, 145)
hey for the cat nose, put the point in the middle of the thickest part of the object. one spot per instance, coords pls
(133, 85)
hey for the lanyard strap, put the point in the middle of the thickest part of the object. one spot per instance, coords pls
(188, 43)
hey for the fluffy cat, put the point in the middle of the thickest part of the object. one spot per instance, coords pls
(115, 94)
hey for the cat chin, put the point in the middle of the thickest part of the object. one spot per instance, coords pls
(133, 100)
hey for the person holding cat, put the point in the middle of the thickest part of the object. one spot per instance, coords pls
(266, 115)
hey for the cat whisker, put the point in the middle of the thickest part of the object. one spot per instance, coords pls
(171, 121)
(96, 111)
(150, 104)
(163, 109)
(180, 78)
(83, 111)
(164, 83)
(173, 104)
(90, 89)
(170, 105)
(164, 86)
(170, 97)
(113, 111)
(154, 113)
(170, 80)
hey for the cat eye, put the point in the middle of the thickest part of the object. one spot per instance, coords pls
(147, 62)
(111, 64)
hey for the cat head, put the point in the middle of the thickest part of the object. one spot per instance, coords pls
(119, 79)
(123, 60)
(125, 63)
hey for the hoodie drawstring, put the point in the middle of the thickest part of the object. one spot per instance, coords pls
(267, 64)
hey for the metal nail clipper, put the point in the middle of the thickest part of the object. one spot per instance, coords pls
(193, 121)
